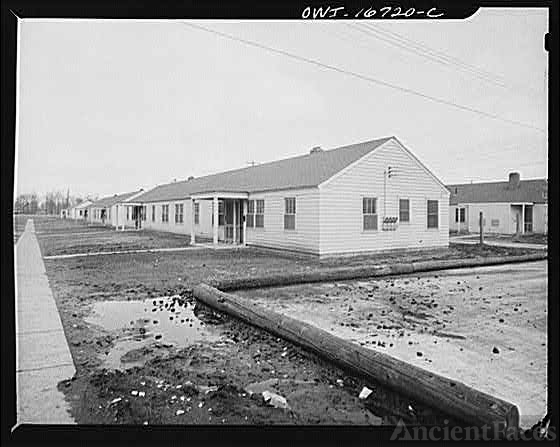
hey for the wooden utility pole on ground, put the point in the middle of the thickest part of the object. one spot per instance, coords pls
(480, 228)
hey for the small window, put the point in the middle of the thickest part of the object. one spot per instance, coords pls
(290, 213)
(404, 210)
(433, 214)
(456, 214)
(462, 215)
(369, 209)
(259, 216)
(153, 213)
(165, 213)
(178, 213)
(197, 213)
(495, 222)
(250, 213)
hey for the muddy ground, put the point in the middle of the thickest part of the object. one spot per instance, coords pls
(207, 376)
(486, 327)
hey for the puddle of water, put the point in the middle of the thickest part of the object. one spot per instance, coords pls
(147, 326)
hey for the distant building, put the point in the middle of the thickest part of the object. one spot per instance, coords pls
(80, 212)
(116, 211)
(365, 197)
(512, 207)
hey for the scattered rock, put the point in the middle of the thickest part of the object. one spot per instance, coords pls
(419, 354)
(275, 400)
(495, 350)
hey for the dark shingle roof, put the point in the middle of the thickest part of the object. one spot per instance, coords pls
(107, 202)
(298, 172)
(527, 191)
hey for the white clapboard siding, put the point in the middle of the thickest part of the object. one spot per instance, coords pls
(204, 228)
(304, 238)
(341, 222)
(499, 213)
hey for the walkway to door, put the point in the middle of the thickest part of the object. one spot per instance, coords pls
(228, 217)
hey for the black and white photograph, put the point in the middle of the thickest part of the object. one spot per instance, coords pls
(322, 221)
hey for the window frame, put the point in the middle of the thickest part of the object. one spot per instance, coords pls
(179, 211)
(428, 214)
(259, 203)
(407, 211)
(153, 213)
(165, 213)
(462, 215)
(290, 212)
(368, 211)
(250, 221)
(196, 212)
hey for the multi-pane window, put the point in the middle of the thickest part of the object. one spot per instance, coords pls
(220, 212)
(290, 213)
(153, 213)
(369, 210)
(165, 213)
(178, 213)
(404, 210)
(259, 216)
(144, 212)
(462, 215)
(433, 214)
(197, 213)
(250, 213)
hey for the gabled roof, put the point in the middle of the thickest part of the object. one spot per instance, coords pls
(83, 204)
(528, 191)
(109, 201)
(304, 171)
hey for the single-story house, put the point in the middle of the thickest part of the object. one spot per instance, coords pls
(513, 207)
(111, 210)
(80, 211)
(364, 197)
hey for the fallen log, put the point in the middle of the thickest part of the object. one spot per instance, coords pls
(449, 396)
(371, 271)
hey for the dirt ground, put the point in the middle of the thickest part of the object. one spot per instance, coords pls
(19, 221)
(522, 238)
(208, 377)
(486, 327)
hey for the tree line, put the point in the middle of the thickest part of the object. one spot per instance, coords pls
(50, 203)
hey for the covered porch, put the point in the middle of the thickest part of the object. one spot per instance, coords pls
(228, 216)
(522, 216)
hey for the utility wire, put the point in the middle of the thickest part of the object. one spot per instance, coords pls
(377, 34)
(361, 76)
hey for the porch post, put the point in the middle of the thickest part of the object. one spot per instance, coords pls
(215, 225)
(192, 222)
(244, 217)
(522, 219)
(234, 221)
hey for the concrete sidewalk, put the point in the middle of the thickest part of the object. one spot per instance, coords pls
(461, 240)
(43, 357)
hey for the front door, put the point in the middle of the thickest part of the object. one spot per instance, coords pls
(528, 223)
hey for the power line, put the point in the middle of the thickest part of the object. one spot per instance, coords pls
(362, 77)
(427, 54)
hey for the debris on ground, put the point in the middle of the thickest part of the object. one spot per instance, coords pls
(275, 400)
(365, 393)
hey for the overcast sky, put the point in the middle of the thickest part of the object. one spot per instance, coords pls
(112, 106)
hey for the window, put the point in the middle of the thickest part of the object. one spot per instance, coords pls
(196, 213)
(462, 215)
(433, 214)
(290, 213)
(178, 213)
(165, 213)
(220, 212)
(259, 216)
(456, 214)
(153, 213)
(250, 213)
(127, 213)
(404, 210)
(369, 209)
(144, 212)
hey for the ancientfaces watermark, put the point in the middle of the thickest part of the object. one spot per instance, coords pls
(489, 432)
